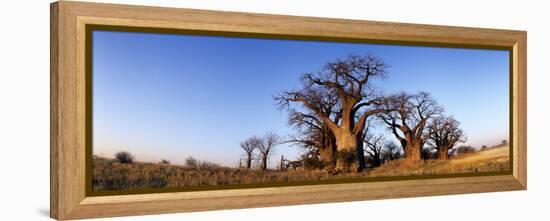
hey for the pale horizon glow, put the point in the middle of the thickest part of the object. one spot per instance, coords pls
(162, 96)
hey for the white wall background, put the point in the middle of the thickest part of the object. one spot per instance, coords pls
(24, 110)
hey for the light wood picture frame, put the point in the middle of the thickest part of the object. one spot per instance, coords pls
(70, 196)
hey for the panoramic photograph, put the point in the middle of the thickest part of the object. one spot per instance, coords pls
(175, 111)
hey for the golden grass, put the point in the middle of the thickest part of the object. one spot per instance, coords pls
(108, 174)
(491, 160)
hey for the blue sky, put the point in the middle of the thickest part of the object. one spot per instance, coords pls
(174, 96)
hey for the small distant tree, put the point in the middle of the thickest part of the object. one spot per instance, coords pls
(164, 161)
(484, 147)
(504, 142)
(266, 146)
(124, 157)
(391, 151)
(374, 147)
(248, 146)
(444, 133)
(192, 163)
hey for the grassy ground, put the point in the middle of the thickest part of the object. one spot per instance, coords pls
(111, 175)
(490, 160)
(108, 174)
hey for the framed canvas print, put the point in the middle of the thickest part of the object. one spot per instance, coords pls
(160, 110)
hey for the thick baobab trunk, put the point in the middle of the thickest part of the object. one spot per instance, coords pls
(443, 153)
(349, 142)
(349, 152)
(413, 151)
(412, 147)
(327, 152)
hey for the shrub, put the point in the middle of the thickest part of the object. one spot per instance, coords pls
(504, 142)
(209, 165)
(124, 157)
(192, 162)
(197, 165)
(464, 149)
(313, 163)
(164, 161)
(349, 157)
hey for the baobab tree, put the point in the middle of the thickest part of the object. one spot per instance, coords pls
(407, 117)
(391, 151)
(266, 146)
(374, 148)
(350, 81)
(444, 133)
(248, 146)
(314, 136)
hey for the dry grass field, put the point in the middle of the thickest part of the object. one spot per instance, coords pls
(109, 174)
(490, 160)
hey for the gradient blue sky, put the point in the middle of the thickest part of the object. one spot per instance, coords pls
(174, 96)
